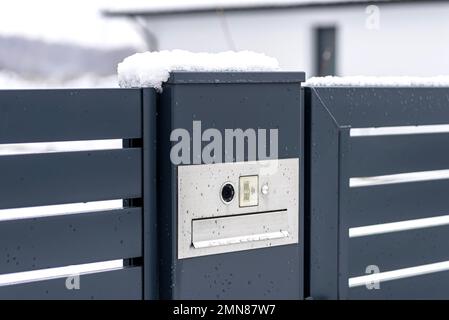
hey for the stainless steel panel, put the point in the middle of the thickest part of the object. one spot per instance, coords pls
(214, 232)
(200, 207)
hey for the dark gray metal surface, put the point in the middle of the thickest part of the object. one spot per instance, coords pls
(149, 191)
(62, 115)
(343, 219)
(383, 155)
(361, 107)
(257, 274)
(221, 101)
(426, 287)
(335, 157)
(234, 77)
(123, 284)
(396, 202)
(55, 178)
(145, 231)
(40, 243)
(322, 216)
(398, 250)
(66, 177)
(228, 105)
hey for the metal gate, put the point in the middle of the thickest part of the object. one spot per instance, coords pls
(376, 181)
(378, 192)
(46, 179)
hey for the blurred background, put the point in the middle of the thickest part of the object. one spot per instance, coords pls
(76, 43)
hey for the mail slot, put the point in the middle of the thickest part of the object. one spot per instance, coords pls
(227, 231)
(231, 225)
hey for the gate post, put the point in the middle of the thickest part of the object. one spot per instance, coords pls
(149, 176)
(230, 228)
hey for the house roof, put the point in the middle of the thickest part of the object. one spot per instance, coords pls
(170, 7)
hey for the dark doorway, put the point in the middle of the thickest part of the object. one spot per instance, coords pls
(325, 46)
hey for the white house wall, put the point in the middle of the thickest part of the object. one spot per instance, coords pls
(412, 39)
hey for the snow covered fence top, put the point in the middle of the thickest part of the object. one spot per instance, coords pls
(152, 69)
(363, 81)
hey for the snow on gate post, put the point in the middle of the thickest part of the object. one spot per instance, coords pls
(230, 174)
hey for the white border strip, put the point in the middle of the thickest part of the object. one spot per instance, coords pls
(399, 178)
(241, 239)
(65, 146)
(398, 130)
(60, 272)
(59, 209)
(398, 226)
(398, 274)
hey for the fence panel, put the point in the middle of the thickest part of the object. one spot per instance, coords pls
(392, 192)
(122, 238)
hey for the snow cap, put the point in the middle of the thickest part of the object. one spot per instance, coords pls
(366, 81)
(152, 69)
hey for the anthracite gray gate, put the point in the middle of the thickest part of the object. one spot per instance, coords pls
(69, 177)
(362, 177)
(357, 178)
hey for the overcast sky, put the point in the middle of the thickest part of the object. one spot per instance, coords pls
(67, 21)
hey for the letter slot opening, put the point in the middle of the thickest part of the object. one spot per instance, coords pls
(222, 231)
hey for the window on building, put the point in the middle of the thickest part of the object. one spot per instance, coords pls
(325, 48)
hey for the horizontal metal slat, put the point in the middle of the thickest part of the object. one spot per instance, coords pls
(238, 229)
(398, 250)
(57, 178)
(69, 115)
(397, 202)
(40, 243)
(372, 156)
(383, 155)
(124, 284)
(430, 286)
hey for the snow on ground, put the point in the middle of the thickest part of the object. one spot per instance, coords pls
(151, 69)
(364, 81)
(10, 80)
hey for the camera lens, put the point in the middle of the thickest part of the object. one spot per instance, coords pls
(227, 192)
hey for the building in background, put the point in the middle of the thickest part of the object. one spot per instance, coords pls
(321, 37)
